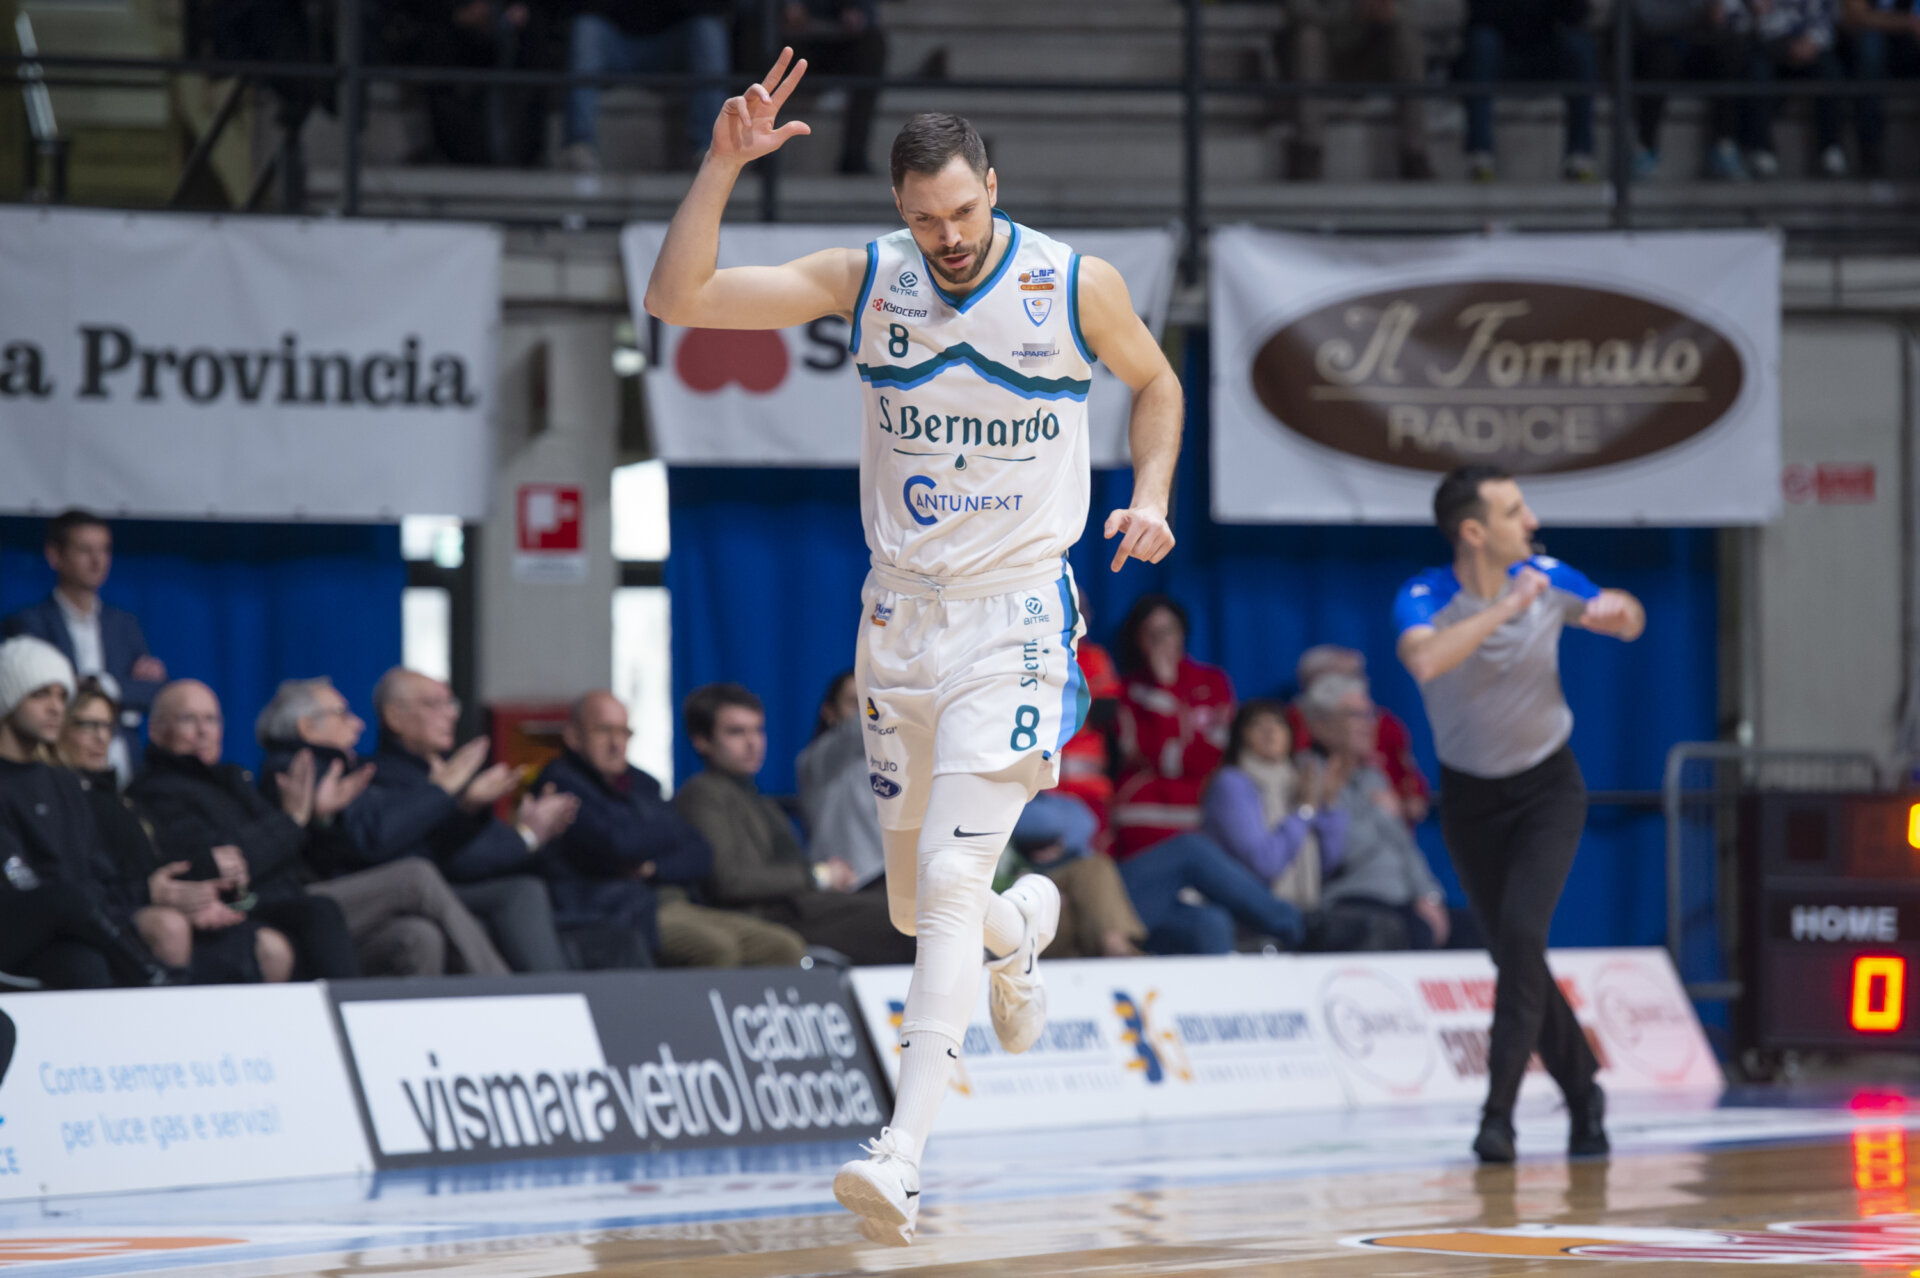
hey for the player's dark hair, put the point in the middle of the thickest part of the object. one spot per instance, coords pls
(827, 698)
(1237, 737)
(67, 522)
(1126, 648)
(928, 142)
(1458, 498)
(705, 703)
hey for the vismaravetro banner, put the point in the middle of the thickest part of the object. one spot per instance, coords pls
(246, 368)
(1626, 379)
(606, 1063)
(791, 397)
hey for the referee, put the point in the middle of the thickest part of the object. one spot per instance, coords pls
(1482, 639)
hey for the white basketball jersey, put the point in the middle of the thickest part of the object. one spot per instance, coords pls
(973, 452)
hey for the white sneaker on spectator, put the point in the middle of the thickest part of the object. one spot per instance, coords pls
(883, 1190)
(1579, 167)
(1833, 162)
(1480, 166)
(580, 157)
(1016, 997)
(1764, 165)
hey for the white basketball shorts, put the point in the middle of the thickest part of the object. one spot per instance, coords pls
(972, 674)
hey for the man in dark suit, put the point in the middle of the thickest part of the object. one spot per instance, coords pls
(96, 637)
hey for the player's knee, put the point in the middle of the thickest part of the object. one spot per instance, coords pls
(952, 883)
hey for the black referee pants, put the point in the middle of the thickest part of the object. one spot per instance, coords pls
(1512, 841)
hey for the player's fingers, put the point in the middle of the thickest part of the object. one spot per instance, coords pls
(779, 68)
(792, 82)
(1115, 522)
(1130, 544)
(792, 129)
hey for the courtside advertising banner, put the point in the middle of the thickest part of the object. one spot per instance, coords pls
(1625, 379)
(110, 1090)
(1127, 1042)
(1415, 1027)
(606, 1063)
(246, 368)
(791, 397)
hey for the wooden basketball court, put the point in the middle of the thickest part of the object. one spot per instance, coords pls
(1792, 1183)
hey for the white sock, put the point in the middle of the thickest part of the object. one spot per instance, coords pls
(1006, 926)
(927, 1062)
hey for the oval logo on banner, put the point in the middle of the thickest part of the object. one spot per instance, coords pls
(1536, 377)
(1379, 1028)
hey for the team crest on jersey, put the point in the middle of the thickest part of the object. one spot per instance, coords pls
(1038, 308)
(1038, 280)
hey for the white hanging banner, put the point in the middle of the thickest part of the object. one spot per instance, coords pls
(791, 397)
(246, 368)
(1625, 379)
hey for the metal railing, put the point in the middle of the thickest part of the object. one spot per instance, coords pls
(350, 74)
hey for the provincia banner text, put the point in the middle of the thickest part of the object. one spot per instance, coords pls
(1626, 379)
(246, 368)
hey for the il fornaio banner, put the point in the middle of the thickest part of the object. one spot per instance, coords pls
(245, 368)
(791, 397)
(1626, 379)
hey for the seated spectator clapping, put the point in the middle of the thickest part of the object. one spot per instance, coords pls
(631, 860)
(438, 805)
(201, 806)
(404, 918)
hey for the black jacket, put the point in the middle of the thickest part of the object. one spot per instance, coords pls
(45, 811)
(195, 808)
(619, 828)
(411, 816)
(1527, 22)
(383, 824)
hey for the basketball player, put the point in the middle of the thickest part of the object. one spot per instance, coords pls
(1482, 639)
(975, 339)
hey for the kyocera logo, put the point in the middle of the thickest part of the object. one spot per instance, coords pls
(1538, 378)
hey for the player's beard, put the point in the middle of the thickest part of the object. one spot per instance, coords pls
(978, 252)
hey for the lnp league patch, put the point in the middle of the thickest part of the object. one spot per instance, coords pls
(1038, 308)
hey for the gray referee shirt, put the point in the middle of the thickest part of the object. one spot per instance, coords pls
(1501, 711)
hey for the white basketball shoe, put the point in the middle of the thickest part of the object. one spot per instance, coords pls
(883, 1190)
(1016, 998)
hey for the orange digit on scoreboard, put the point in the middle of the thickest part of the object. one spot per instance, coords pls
(1879, 993)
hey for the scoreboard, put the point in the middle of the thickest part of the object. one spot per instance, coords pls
(1830, 887)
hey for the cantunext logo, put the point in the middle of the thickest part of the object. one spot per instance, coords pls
(926, 503)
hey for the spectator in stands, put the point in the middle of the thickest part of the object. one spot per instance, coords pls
(175, 905)
(1794, 39)
(1381, 870)
(839, 37)
(685, 36)
(629, 858)
(490, 863)
(1688, 39)
(201, 806)
(836, 795)
(1055, 835)
(758, 864)
(1367, 40)
(1883, 41)
(1529, 40)
(1271, 815)
(1173, 717)
(473, 123)
(404, 918)
(56, 927)
(98, 638)
(1393, 743)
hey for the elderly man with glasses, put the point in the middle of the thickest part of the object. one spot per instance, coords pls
(490, 863)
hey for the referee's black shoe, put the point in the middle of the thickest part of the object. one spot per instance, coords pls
(1587, 1125)
(1494, 1144)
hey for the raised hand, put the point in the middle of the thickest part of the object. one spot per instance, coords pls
(296, 788)
(490, 787)
(1528, 585)
(338, 789)
(745, 129)
(453, 773)
(548, 814)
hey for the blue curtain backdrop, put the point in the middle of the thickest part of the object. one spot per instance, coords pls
(243, 606)
(767, 567)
